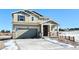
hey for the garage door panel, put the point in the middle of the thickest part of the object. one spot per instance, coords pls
(30, 33)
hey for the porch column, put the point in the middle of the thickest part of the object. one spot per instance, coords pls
(41, 30)
(50, 30)
(13, 32)
(57, 31)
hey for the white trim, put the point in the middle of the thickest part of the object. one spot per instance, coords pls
(42, 30)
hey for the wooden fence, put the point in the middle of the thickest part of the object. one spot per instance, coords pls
(68, 40)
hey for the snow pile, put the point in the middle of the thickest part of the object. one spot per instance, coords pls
(59, 43)
(10, 45)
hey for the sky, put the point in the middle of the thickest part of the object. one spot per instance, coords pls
(66, 18)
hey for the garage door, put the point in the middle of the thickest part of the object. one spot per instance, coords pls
(28, 33)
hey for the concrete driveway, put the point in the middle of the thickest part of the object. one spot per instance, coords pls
(36, 44)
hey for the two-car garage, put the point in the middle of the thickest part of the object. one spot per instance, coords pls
(27, 32)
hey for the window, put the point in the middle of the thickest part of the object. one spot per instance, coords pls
(21, 18)
(32, 18)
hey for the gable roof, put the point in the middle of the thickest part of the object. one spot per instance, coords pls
(22, 12)
(28, 12)
(51, 21)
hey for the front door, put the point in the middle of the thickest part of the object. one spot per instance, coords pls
(45, 30)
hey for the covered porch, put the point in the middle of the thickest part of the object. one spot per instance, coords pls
(50, 29)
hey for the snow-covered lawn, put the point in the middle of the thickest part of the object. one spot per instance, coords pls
(74, 34)
(52, 40)
(10, 45)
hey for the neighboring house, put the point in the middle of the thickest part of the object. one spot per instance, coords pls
(30, 24)
(5, 34)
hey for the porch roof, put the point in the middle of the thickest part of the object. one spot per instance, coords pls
(51, 22)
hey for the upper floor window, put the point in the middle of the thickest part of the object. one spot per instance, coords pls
(21, 18)
(32, 18)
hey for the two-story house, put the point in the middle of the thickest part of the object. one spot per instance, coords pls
(30, 24)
